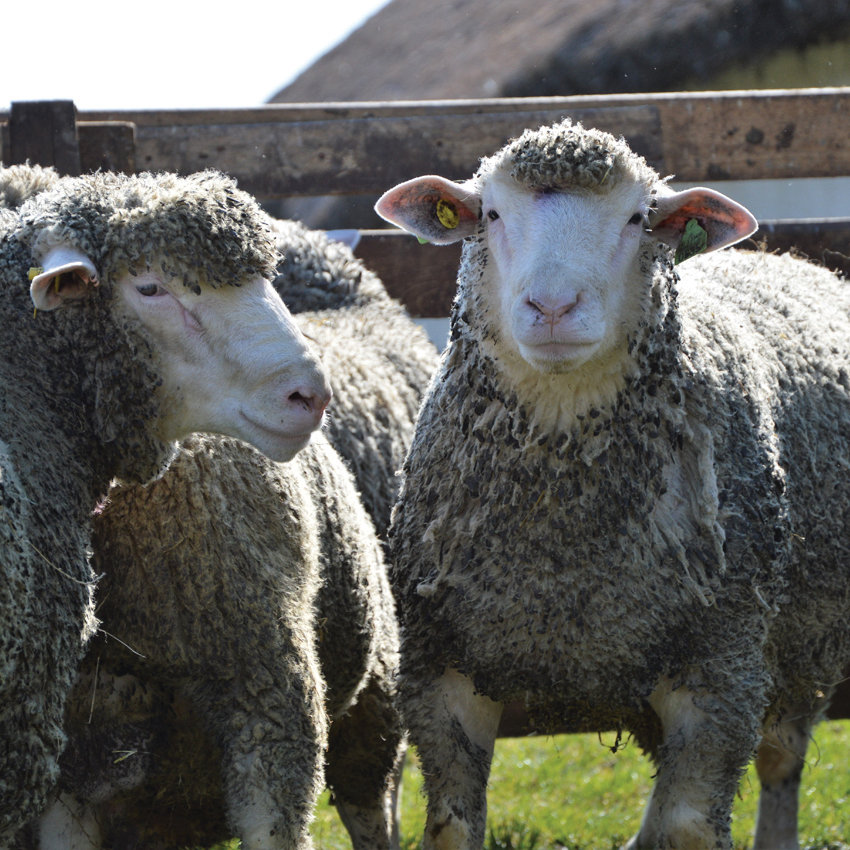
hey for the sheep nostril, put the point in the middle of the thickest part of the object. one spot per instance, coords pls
(314, 403)
(535, 305)
(552, 312)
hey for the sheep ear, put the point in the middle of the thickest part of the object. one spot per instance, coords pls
(432, 208)
(67, 273)
(722, 220)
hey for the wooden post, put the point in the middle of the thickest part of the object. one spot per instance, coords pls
(45, 133)
(107, 146)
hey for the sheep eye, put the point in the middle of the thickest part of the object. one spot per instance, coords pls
(492, 215)
(637, 218)
(149, 289)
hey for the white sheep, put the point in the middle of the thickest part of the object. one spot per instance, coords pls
(154, 317)
(626, 501)
(233, 575)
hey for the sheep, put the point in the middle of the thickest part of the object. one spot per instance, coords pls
(254, 569)
(626, 500)
(149, 292)
(256, 597)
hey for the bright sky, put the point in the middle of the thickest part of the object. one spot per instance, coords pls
(164, 54)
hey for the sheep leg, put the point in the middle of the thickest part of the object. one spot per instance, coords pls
(68, 823)
(272, 743)
(365, 749)
(454, 729)
(779, 763)
(706, 746)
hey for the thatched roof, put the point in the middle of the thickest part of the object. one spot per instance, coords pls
(412, 49)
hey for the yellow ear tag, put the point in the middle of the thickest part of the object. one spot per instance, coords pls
(448, 214)
(32, 274)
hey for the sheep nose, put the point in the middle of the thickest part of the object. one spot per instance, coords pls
(313, 399)
(552, 311)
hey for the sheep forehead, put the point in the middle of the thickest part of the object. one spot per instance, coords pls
(567, 154)
(569, 222)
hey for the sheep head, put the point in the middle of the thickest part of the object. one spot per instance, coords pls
(568, 223)
(172, 275)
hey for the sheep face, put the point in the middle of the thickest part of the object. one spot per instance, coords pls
(567, 222)
(230, 359)
(563, 267)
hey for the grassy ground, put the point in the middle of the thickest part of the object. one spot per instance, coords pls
(571, 792)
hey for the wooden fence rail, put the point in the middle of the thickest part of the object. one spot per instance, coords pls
(320, 149)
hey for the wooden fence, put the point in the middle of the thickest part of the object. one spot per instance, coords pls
(364, 148)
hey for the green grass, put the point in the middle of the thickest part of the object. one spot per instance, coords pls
(571, 792)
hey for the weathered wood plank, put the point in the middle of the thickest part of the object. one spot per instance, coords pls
(423, 277)
(746, 137)
(277, 113)
(824, 241)
(108, 146)
(706, 136)
(365, 155)
(44, 132)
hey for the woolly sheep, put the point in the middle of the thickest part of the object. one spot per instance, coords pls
(253, 570)
(256, 596)
(625, 504)
(149, 291)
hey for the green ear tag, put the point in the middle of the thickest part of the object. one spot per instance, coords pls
(694, 241)
(421, 241)
(448, 214)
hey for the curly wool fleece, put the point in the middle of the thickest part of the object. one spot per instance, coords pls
(77, 409)
(567, 154)
(214, 233)
(20, 182)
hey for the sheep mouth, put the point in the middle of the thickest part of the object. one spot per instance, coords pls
(557, 358)
(555, 351)
(292, 440)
